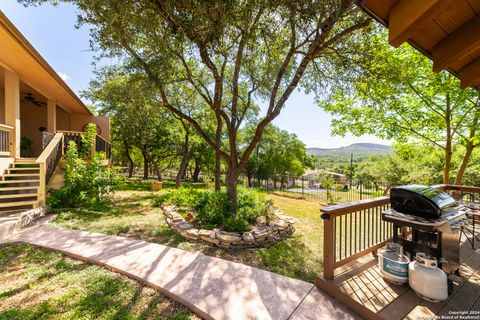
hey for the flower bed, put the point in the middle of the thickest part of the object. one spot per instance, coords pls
(280, 228)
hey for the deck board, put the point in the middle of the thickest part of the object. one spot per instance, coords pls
(363, 283)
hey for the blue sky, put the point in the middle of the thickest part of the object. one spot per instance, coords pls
(51, 30)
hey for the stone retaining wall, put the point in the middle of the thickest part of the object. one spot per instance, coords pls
(281, 229)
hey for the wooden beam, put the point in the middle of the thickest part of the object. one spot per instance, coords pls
(408, 15)
(470, 74)
(465, 40)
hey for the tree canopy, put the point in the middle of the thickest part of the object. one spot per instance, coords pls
(393, 94)
(234, 55)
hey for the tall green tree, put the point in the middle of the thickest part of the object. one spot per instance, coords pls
(278, 153)
(234, 54)
(393, 94)
(136, 119)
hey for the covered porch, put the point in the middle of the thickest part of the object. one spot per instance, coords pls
(27, 116)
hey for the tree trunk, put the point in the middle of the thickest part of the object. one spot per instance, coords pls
(196, 171)
(157, 170)
(464, 164)
(218, 155)
(448, 144)
(232, 190)
(249, 179)
(131, 164)
(183, 164)
(145, 164)
(468, 151)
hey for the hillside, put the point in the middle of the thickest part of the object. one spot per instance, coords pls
(359, 150)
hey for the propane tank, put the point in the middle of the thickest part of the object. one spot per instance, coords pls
(393, 264)
(426, 279)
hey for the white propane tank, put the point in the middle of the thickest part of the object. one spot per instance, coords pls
(393, 264)
(426, 279)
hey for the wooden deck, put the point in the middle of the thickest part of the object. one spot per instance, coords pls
(360, 286)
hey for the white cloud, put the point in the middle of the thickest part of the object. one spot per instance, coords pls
(64, 76)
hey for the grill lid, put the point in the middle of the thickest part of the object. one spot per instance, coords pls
(419, 200)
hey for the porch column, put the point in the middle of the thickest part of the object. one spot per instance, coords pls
(51, 116)
(12, 109)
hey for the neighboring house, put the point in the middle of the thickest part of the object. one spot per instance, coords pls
(39, 114)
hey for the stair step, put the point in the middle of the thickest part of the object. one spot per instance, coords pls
(21, 174)
(18, 195)
(18, 204)
(17, 181)
(17, 188)
(23, 169)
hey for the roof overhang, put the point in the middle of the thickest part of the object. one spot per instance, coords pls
(19, 56)
(446, 31)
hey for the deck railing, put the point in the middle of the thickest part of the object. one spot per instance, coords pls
(48, 162)
(75, 136)
(6, 143)
(354, 229)
(46, 138)
(102, 145)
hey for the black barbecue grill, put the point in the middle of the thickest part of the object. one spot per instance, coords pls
(435, 220)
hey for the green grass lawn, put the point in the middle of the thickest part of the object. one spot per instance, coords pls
(40, 284)
(131, 215)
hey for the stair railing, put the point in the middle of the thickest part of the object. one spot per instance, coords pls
(48, 162)
(6, 140)
(102, 145)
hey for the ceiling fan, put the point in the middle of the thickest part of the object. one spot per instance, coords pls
(30, 98)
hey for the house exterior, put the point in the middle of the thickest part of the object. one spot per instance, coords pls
(39, 114)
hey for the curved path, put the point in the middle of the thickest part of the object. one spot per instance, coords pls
(213, 288)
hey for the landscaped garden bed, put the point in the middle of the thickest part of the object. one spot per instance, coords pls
(281, 228)
(208, 217)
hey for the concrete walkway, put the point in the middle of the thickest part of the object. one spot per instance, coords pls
(211, 287)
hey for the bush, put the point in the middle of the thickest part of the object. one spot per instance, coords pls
(235, 224)
(248, 213)
(267, 211)
(213, 208)
(339, 187)
(182, 197)
(87, 182)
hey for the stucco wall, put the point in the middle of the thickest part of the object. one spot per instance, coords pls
(2, 105)
(63, 119)
(78, 121)
(32, 119)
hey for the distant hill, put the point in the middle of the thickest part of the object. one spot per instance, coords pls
(359, 150)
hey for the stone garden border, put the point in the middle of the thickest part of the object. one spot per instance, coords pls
(280, 230)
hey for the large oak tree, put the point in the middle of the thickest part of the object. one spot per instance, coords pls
(234, 54)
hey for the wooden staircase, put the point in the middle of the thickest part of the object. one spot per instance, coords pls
(20, 185)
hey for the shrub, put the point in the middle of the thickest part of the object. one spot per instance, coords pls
(181, 197)
(235, 224)
(213, 208)
(267, 211)
(248, 213)
(339, 187)
(87, 182)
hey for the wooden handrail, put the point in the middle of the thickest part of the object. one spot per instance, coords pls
(468, 189)
(6, 128)
(349, 207)
(50, 147)
(73, 133)
(48, 161)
